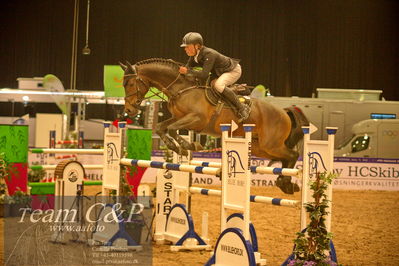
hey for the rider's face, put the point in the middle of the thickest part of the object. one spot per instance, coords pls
(190, 50)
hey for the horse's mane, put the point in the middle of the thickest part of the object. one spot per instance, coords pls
(160, 61)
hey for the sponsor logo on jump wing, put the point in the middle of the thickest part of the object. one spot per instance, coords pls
(234, 163)
(316, 164)
(112, 153)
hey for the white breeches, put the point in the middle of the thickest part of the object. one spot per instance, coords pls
(228, 78)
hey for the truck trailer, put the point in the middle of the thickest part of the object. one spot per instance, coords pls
(374, 138)
(341, 113)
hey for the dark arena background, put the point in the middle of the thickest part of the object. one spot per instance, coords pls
(292, 47)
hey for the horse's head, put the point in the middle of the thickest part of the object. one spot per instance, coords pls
(159, 73)
(135, 89)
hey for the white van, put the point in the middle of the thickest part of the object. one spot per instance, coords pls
(375, 138)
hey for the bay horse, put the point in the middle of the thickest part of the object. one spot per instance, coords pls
(275, 135)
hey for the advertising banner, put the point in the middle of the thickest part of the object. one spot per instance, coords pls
(354, 173)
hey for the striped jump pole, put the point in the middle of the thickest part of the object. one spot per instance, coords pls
(75, 151)
(207, 164)
(253, 198)
(52, 167)
(254, 169)
(274, 170)
(171, 166)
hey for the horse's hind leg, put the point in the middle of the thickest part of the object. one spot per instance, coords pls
(288, 158)
(284, 182)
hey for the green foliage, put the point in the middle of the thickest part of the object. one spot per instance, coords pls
(312, 247)
(3, 166)
(210, 143)
(3, 189)
(19, 197)
(125, 187)
(72, 136)
(4, 173)
(35, 175)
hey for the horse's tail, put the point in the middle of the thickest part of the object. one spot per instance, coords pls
(298, 120)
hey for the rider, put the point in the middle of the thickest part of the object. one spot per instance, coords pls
(227, 70)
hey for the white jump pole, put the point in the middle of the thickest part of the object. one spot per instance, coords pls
(171, 166)
(253, 198)
(52, 167)
(75, 151)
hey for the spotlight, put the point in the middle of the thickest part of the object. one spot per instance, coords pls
(86, 50)
(26, 100)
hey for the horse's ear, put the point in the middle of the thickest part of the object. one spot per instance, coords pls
(124, 67)
(131, 68)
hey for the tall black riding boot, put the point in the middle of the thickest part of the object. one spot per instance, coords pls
(242, 111)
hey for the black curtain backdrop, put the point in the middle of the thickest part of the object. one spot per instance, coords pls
(291, 46)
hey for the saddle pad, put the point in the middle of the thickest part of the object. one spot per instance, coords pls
(214, 97)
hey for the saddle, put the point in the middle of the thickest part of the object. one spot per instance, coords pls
(215, 98)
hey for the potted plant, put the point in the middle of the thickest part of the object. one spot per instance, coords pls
(36, 175)
(3, 186)
(17, 201)
(313, 245)
(4, 204)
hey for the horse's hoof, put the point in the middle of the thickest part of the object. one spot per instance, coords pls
(183, 152)
(284, 183)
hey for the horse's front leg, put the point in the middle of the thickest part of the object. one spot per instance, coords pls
(184, 143)
(188, 122)
(161, 130)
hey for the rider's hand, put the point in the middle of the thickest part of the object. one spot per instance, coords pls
(183, 70)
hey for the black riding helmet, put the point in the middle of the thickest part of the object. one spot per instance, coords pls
(192, 38)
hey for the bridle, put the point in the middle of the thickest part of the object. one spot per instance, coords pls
(141, 96)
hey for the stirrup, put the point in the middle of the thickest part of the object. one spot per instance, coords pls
(243, 113)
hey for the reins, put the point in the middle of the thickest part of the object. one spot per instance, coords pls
(164, 90)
